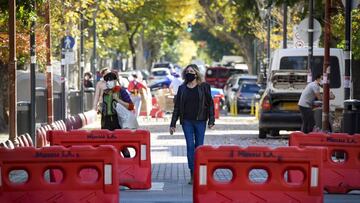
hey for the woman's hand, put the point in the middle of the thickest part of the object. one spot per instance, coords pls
(211, 127)
(172, 130)
(116, 97)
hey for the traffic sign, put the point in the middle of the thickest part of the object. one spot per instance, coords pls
(68, 42)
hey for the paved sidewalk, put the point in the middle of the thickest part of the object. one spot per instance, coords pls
(170, 172)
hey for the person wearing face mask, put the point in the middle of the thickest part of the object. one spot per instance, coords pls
(113, 94)
(307, 98)
(194, 106)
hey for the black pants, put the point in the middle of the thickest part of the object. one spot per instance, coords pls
(112, 123)
(308, 121)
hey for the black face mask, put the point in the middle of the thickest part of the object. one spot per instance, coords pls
(190, 77)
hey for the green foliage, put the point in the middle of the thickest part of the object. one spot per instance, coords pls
(338, 31)
(214, 47)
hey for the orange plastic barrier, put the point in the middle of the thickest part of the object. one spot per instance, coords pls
(242, 162)
(135, 172)
(33, 164)
(341, 172)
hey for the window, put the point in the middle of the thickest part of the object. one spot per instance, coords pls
(250, 88)
(300, 63)
(159, 73)
(217, 73)
(241, 80)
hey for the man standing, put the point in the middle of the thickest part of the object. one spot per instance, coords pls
(308, 96)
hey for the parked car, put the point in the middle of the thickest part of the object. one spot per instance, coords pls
(217, 76)
(158, 74)
(158, 84)
(232, 86)
(167, 65)
(287, 79)
(247, 95)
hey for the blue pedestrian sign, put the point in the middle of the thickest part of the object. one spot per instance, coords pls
(68, 42)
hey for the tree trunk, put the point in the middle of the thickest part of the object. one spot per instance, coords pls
(4, 98)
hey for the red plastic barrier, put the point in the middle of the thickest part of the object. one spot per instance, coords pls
(341, 172)
(135, 172)
(20, 141)
(23, 141)
(29, 140)
(41, 137)
(70, 161)
(7, 144)
(217, 106)
(242, 161)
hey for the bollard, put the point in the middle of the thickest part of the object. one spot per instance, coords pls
(231, 108)
(235, 108)
(257, 110)
(252, 107)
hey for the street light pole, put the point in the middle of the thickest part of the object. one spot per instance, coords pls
(326, 68)
(93, 68)
(268, 55)
(49, 81)
(32, 74)
(82, 63)
(347, 78)
(311, 40)
(12, 73)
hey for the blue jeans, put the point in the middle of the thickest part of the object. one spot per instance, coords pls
(194, 131)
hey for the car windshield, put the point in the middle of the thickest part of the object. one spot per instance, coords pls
(300, 63)
(241, 80)
(161, 65)
(217, 73)
(250, 88)
(159, 73)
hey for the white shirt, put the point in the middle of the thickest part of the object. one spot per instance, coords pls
(308, 95)
(175, 84)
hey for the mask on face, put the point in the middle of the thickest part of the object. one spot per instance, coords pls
(110, 84)
(190, 77)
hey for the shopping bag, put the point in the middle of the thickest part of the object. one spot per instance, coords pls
(127, 119)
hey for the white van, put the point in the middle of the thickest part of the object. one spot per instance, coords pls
(287, 78)
(291, 64)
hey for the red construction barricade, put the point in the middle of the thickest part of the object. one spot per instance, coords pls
(242, 162)
(33, 165)
(134, 172)
(341, 172)
(7, 144)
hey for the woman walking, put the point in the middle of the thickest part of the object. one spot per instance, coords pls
(194, 106)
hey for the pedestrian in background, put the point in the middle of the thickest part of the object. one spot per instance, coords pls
(137, 89)
(194, 106)
(307, 98)
(100, 86)
(175, 84)
(114, 94)
(87, 80)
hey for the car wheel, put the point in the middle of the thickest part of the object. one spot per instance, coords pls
(262, 134)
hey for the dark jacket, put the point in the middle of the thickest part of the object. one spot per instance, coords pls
(206, 104)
